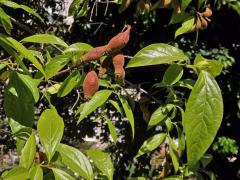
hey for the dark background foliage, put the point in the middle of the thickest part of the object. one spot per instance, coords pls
(220, 41)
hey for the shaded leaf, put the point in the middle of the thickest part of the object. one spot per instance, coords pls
(117, 107)
(5, 21)
(159, 115)
(69, 83)
(61, 175)
(151, 143)
(174, 154)
(28, 152)
(45, 39)
(50, 129)
(155, 54)
(111, 129)
(203, 116)
(173, 74)
(102, 161)
(76, 161)
(97, 100)
(128, 111)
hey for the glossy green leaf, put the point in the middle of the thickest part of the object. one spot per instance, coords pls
(155, 54)
(16, 173)
(53, 89)
(111, 129)
(128, 111)
(45, 39)
(50, 129)
(55, 65)
(17, 6)
(24, 51)
(173, 74)
(5, 21)
(151, 143)
(28, 152)
(187, 26)
(61, 175)
(203, 116)
(102, 161)
(69, 83)
(36, 173)
(19, 101)
(78, 48)
(116, 106)
(212, 66)
(174, 154)
(97, 100)
(31, 84)
(76, 161)
(159, 115)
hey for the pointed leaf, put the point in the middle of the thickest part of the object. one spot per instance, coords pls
(102, 161)
(69, 83)
(36, 173)
(151, 143)
(19, 101)
(45, 39)
(5, 21)
(55, 65)
(17, 6)
(28, 152)
(76, 161)
(174, 154)
(111, 129)
(25, 52)
(16, 173)
(50, 129)
(61, 175)
(157, 54)
(128, 111)
(117, 107)
(97, 100)
(173, 74)
(203, 116)
(159, 115)
(187, 26)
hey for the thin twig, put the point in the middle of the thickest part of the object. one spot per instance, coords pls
(106, 9)
(128, 57)
(143, 91)
(91, 15)
(63, 72)
(78, 97)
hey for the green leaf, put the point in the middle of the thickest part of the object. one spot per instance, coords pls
(203, 116)
(53, 89)
(24, 7)
(76, 161)
(184, 4)
(173, 74)
(24, 51)
(31, 84)
(36, 173)
(73, 8)
(84, 9)
(151, 143)
(212, 66)
(28, 152)
(159, 115)
(61, 175)
(69, 83)
(102, 161)
(177, 18)
(111, 129)
(16, 173)
(5, 21)
(97, 100)
(117, 107)
(2, 66)
(50, 129)
(157, 54)
(78, 48)
(45, 39)
(128, 111)
(174, 154)
(55, 65)
(187, 26)
(19, 101)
